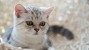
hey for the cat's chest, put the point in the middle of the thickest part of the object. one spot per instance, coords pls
(29, 40)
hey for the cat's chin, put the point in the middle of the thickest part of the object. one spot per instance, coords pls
(36, 33)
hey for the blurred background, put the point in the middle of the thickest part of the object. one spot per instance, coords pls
(72, 14)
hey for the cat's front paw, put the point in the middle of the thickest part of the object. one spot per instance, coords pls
(4, 47)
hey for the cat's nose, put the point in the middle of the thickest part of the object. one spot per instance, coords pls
(36, 29)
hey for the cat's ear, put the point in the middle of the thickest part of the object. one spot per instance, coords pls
(19, 9)
(49, 10)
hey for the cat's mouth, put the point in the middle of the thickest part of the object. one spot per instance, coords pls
(36, 33)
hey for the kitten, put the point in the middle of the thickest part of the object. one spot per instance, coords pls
(31, 28)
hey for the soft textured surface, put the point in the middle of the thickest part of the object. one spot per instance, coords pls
(72, 14)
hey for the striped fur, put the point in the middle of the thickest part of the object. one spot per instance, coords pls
(24, 35)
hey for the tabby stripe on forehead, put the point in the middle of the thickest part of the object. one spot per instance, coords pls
(35, 12)
(38, 13)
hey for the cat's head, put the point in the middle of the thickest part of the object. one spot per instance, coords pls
(32, 20)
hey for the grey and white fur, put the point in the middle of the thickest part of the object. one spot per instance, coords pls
(31, 28)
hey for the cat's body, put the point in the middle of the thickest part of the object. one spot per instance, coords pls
(30, 28)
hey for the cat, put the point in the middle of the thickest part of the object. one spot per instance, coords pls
(31, 28)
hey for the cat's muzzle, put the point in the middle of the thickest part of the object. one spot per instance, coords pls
(36, 33)
(36, 29)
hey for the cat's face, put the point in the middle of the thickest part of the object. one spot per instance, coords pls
(33, 21)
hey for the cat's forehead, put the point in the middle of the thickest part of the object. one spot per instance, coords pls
(35, 12)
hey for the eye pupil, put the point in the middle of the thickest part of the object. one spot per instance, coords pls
(29, 23)
(42, 24)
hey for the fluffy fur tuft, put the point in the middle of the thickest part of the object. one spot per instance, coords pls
(61, 30)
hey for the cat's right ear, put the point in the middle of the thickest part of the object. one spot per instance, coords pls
(19, 9)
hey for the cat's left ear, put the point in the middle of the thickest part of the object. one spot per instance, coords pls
(49, 10)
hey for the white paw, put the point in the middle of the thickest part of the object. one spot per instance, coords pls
(51, 48)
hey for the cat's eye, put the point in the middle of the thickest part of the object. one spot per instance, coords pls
(29, 23)
(42, 23)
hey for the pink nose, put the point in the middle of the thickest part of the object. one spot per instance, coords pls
(36, 29)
